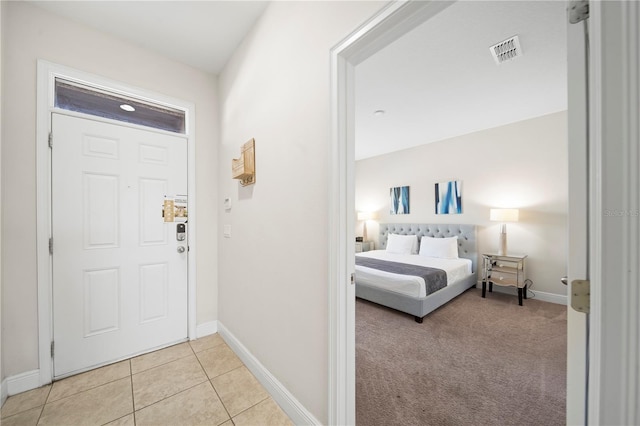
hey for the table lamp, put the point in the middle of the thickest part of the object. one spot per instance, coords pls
(365, 216)
(503, 215)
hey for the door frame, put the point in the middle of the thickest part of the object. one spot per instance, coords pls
(46, 74)
(611, 397)
(614, 72)
(394, 20)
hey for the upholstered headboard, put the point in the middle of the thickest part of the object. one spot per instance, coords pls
(467, 245)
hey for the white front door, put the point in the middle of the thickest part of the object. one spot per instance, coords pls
(119, 280)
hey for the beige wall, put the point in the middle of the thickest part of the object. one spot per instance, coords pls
(274, 269)
(521, 165)
(30, 34)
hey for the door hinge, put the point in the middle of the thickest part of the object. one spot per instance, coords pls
(578, 11)
(353, 278)
(53, 347)
(581, 295)
(51, 245)
(50, 139)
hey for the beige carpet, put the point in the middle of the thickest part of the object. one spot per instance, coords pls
(473, 361)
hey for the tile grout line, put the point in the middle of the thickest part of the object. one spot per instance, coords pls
(133, 401)
(167, 397)
(45, 403)
(83, 391)
(177, 393)
(90, 388)
(130, 375)
(164, 363)
(214, 388)
(257, 403)
(223, 406)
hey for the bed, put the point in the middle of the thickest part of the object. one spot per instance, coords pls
(397, 288)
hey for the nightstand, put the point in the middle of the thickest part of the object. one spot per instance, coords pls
(504, 270)
(363, 246)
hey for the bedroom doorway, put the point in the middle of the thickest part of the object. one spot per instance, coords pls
(388, 26)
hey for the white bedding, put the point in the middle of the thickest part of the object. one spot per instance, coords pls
(456, 269)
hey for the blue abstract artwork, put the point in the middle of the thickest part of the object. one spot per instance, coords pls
(449, 197)
(399, 200)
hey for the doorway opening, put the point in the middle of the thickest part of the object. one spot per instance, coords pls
(390, 24)
(451, 111)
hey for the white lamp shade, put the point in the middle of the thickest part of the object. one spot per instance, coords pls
(504, 215)
(365, 215)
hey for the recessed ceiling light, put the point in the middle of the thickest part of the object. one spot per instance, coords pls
(379, 112)
(127, 107)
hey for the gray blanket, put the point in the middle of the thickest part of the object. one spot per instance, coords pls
(434, 278)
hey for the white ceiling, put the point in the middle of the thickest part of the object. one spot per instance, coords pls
(436, 82)
(202, 34)
(440, 80)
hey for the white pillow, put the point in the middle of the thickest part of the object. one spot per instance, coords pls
(443, 248)
(402, 244)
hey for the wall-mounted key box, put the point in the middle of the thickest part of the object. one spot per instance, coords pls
(244, 168)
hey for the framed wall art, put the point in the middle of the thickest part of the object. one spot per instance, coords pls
(399, 200)
(449, 197)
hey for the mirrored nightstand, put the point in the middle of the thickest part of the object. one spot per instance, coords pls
(363, 246)
(507, 270)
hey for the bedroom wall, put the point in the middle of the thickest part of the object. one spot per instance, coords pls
(274, 268)
(31, 33)
(522, 165)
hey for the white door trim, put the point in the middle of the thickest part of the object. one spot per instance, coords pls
(614, 376)
(395, 20)
(46, 74)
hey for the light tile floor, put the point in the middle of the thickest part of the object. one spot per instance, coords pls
(201, 382)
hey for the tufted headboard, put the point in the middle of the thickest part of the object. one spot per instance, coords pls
(467, 245)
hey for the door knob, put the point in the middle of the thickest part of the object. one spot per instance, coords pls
(180, 249)
(564, 280)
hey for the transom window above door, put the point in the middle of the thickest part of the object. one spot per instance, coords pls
(73, 96)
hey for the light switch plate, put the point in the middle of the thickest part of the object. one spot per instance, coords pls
(227, 203)
(227, 231)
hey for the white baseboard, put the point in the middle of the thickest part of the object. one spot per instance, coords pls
(3, 392)
(537, 295)
(22, 382)
(294, 409)
(206, 329)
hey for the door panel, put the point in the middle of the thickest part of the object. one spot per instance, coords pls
(119, 283)
(102, 301)
(578, 222)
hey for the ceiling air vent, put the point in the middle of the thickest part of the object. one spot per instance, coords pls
(506, 50)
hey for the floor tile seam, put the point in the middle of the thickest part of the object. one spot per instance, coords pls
(221, 402)
(160, 365)
(166, 397)
(87, 390)
(24, 411)
(133, 401)
(121, 417)
(221, 374)
(82, 391)
(257, 403)
(191, 347)
(45, 403)
(202, 366)
(206, 349)
(227, 372)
